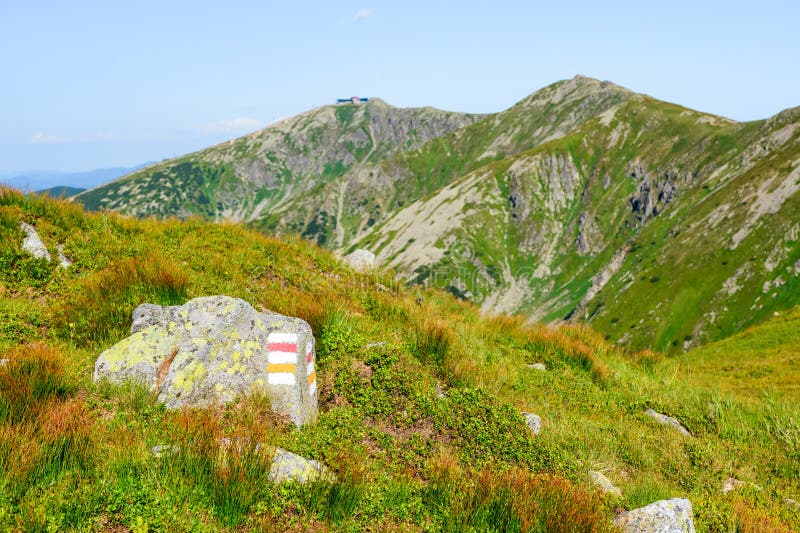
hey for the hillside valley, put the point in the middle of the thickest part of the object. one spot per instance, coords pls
(426, 406)
(661, 226)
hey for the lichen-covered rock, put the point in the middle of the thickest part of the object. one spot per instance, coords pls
(603, 483)
(534, 422)
(33, 243)
(664, 516)
(287, 466)
(361, 260)
(212, 350)
(668, 421)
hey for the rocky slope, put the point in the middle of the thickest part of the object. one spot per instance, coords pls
(663, 226)
(242, 179)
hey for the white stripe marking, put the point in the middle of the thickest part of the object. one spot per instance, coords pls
(281, 378)
(312, 388)
(310, 368)
(277, 336)
(282, 357)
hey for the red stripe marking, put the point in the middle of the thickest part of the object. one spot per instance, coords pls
(282, 347)
(309, 357)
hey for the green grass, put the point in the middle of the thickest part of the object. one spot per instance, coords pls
(76, 455)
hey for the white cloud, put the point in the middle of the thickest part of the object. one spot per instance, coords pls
(47, 138)
(235, 125)
(363, 14)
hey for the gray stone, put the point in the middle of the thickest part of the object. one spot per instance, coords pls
(63, 260)
(440, 391)
(668, 421)
(214, 349)
(287, 466)
(664, 516)
(534, 422)
(603, 483)
(361, 260)
(160, 450)
(538, 366)
(731, 484)
(33, 243)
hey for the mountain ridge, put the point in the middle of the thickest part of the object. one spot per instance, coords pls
(563, 207)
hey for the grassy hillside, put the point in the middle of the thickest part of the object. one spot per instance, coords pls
(76, 455)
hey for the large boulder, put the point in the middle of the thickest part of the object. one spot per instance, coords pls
(361, 260)
(212, 350)
(664, 516)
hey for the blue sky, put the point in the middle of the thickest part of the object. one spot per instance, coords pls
(117, 83)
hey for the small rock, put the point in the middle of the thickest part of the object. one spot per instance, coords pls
(33, 243)
(731, 484)
(664, 516)
(361, 260)
(440, 392)
(534, 422)
(160, 450)
(63, 260)
(374, 344)
(538, 366)
(667, 421)
(792, 502)
(4, 362)
(287, 466)
(603, 483)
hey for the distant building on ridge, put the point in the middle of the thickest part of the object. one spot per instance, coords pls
(352, 100)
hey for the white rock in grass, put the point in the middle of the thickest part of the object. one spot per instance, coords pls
(63, 260)
(160, 450)
(361, 260)
(33, 243)
(534, 422)
(731, 484)
(538, 366)
(664, 516)
(668, 421)
(603, 483)
(287, 466)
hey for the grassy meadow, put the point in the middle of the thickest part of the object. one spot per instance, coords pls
(76, 456)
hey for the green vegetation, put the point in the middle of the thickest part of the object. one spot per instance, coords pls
(77, 456)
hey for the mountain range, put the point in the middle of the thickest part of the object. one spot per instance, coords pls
(43, 180)
(662, 226)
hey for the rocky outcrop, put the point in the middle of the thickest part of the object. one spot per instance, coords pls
(668, 421)
(214, 349)
(664, 516)
(361, 260)
(653, 194)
